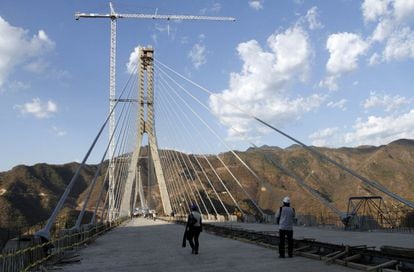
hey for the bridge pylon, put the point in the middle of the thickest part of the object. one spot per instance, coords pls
(145, 125)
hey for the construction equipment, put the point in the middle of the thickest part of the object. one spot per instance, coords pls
(112, 82)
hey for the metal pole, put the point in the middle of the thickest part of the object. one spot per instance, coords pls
(112, 86)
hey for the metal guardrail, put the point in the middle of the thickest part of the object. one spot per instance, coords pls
(33, 256)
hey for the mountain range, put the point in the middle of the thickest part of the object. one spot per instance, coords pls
(29, 193)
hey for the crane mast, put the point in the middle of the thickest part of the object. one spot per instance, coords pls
(112, 75)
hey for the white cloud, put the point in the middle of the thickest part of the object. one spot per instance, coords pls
(383, 30)
(292, 52)
(323, 137)
(261, 87)
(16, 48)
(389, 103)
(256, 4)
(372, 9)
(312, 18)
(403, 9)
(374, 59)
(197, 55)
(341, 104)
(400, 45)
(345, 49)
(132, 64)
(393, 29)
(381, 130)
(373, 130)
(38, 108)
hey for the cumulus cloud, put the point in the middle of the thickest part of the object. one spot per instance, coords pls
(400, 45)
(345, 49)
(197, 55)
(372, 130)
(17, 48)
(403, 9)
(387, 102)
(261, 87)
(37, 108)
(133, 60)
(393, 30)
(312, 18)
(383, 30)
(372, 9)
(256, 4)
(377, 130)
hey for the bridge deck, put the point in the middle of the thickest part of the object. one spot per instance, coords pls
(335, 236)
(143, 245)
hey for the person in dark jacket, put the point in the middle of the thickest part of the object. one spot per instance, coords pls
(194, 227)
(285, 217)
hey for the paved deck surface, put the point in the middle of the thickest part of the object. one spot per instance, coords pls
(352, 238)
(143, 245)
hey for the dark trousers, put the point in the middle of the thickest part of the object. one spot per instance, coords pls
(282, 235)
(192, 236)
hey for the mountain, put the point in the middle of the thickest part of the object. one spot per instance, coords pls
(29, 193)
(389, 165)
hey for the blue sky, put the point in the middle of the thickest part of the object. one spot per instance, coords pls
(331, 73)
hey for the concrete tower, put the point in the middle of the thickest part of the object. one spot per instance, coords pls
(145, 125)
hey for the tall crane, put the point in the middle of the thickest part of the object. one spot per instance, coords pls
(114, 16)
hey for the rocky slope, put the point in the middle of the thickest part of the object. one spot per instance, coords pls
(29, 193)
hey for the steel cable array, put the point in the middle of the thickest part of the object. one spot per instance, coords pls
(322, 157)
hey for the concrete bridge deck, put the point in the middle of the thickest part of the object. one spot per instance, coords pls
(335, 236)
(144, 245)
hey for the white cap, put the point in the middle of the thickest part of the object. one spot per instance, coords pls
(286, 199)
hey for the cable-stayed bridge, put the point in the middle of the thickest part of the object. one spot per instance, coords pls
(164, 160)
(168, 149)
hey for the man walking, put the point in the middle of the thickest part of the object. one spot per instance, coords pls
(193, 228)
(285, 218)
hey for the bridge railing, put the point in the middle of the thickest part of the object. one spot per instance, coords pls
(37, 252)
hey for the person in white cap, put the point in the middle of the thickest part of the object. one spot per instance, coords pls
(285, 218)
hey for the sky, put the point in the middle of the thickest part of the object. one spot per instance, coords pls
(330, 73)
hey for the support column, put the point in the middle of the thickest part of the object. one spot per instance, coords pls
(146, 125)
